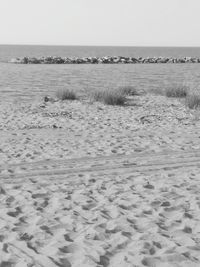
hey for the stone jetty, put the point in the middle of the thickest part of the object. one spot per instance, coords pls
(102, 60)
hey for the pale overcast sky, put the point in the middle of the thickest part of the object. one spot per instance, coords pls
(100, 22)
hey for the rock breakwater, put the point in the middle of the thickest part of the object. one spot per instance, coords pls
(102, 60)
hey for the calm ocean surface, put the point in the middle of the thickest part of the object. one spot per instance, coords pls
(27, 82)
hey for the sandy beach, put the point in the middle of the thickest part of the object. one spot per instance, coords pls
(86, 184)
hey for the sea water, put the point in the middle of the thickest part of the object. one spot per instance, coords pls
(28, 82)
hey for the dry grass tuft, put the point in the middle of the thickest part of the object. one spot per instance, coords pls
(128, 90)
(178, 91)
(109, 97)
(193, 101)
(65, 94)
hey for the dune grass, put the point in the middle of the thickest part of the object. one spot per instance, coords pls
(193, 101)
(128, 90)
(66, 94)
(109, 97)
(178, 91)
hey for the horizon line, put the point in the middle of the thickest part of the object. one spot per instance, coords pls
(86, 45)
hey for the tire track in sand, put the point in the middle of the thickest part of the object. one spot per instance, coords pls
(135, 163)
(52, 210)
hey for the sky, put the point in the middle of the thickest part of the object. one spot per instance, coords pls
(100, 22)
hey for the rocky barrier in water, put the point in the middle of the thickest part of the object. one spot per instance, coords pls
(102, 60)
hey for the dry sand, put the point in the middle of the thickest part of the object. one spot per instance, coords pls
(85, 184)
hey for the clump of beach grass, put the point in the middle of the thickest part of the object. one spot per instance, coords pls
(66, 94)
(109, 97)
(193, 100)
(178, 91)
(128, 90)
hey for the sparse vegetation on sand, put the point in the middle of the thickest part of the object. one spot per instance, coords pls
(193, 101)
(109, 97)
(128, 90)
(156, 91)
(178, 91)
(65, 94)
